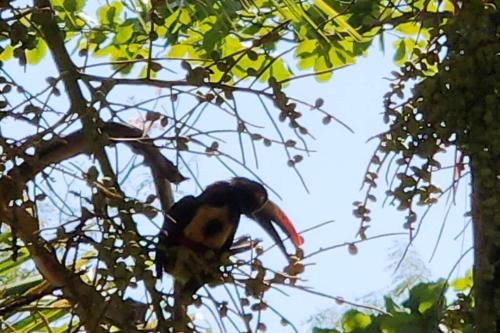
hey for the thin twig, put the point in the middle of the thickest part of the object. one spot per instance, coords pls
(329, 248)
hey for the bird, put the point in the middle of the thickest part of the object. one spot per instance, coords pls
(199, 230)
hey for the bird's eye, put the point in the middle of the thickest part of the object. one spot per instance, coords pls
(262, 197)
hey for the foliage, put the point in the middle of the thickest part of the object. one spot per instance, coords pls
(453, 105)
(223, 50)
(20, 288)
(437, 114)
(427, 309)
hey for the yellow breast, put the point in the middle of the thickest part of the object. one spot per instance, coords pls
(210, 226)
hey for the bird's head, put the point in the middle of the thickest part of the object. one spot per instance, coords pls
(250, 195)
(254, 203)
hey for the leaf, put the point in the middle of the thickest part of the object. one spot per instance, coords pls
(401, 322)
(108, 14)
(171, 22)
(97, 37)
(124, 33)
(73, 5)
(8, 265)
(19, 287)
(306, 47)
(279, 71)
(341, 53)
(449, 6)
(339, 19)
(34, 56)
(324, 330)
(7, 53)
(354, 319)
(231, 45)
(400, 55)
(306, 63)
(5, 237)
(425, 296)
(319, 66)
(29, 324)
(409, 28)
(180, 50)
(184, 16)
(390, 305)
(464, 283)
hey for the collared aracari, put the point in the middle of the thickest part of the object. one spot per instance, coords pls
(206, 224)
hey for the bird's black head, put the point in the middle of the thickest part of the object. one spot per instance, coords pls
(250, 195)
(254, 203)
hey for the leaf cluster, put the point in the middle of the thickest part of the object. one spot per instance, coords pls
(427, 309)
(452, 105)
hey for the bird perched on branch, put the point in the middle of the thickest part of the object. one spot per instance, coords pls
(199, 230)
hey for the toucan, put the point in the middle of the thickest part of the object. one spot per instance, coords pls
(204, 226)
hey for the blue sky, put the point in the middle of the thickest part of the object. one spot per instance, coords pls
(333, 174)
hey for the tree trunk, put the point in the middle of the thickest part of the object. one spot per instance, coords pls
(476, 52)
(486, 218)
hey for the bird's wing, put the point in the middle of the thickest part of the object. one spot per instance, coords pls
(179, 215)
(175, 220)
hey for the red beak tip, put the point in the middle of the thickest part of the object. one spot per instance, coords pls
(298, 240)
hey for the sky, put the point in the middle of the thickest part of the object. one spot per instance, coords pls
(333, 175)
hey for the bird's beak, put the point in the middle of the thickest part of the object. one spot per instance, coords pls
(270, 212)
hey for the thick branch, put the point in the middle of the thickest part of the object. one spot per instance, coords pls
(44, 16)
(20, 219)
(172, 84)
(89, 139)
(91, 305)
(60, 149)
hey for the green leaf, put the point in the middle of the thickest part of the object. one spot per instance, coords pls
(19, 287)
(231, 45)
(401, 323)
(341, 53)
(307, 63)
(390, 305)
(424, 296)
(97, 37)
(57, 3)
(171, 22)
(7, 53)
(5, 237)
(34, 324)
(354, 319)
(319, 66)
(400, 55)
(8, 265)
(108, 14)
(324, 330)
(306, 47)
(124, 33)
(449, 6)
(409, 28)
(463, 284)
(34, 56)
(279, 70)
(73, 5)
(184, 17)
(180, 50)
(339, 20)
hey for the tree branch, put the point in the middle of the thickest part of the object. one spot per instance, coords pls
(56, 151)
